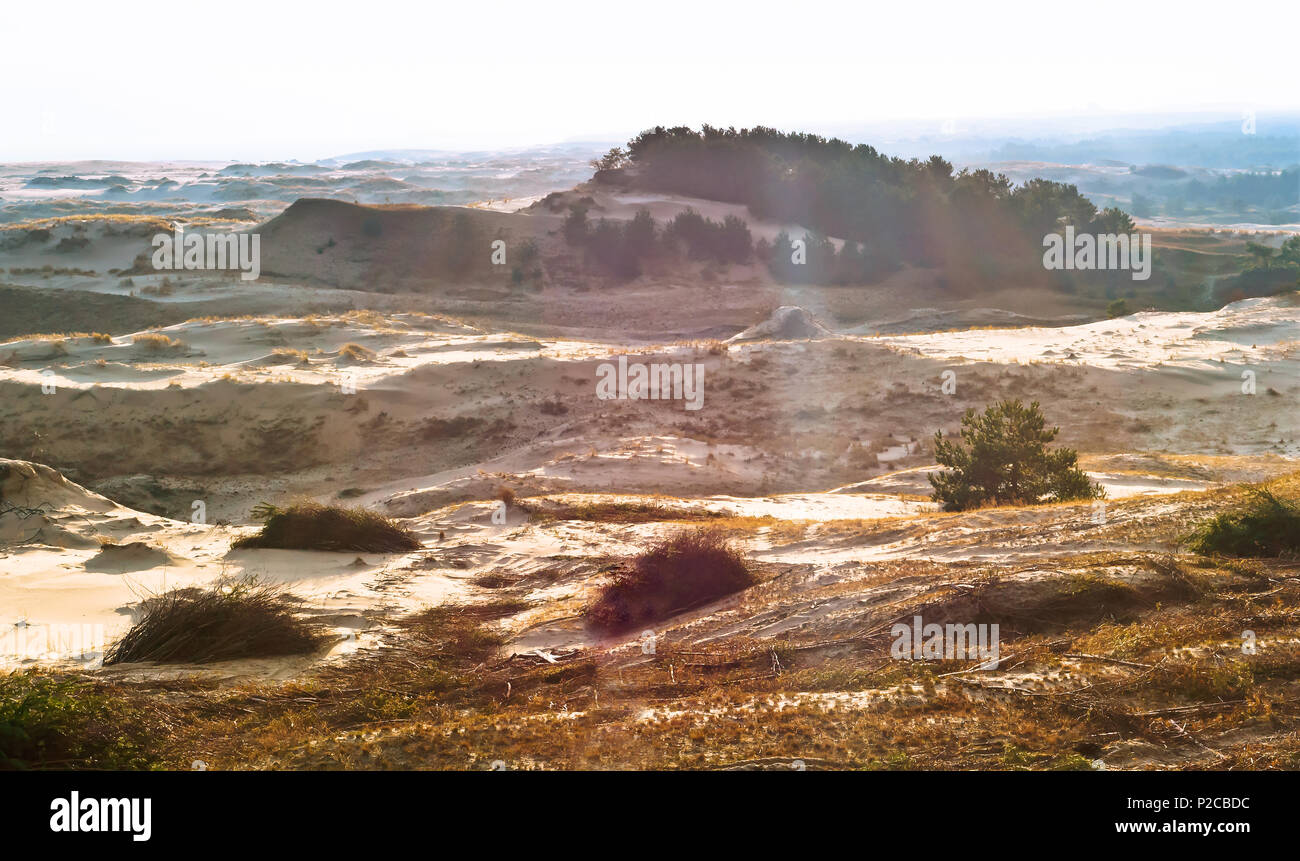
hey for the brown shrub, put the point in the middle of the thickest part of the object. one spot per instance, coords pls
(684, 570)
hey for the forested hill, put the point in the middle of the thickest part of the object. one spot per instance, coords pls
(901, 211)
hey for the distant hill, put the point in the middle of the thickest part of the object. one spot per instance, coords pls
(397, 248)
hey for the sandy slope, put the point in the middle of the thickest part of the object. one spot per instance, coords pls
(80, 559)
(812, 452)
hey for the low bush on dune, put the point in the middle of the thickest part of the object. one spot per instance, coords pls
(684, 570)
(243, 619)
(312, 526)
(1265, 526)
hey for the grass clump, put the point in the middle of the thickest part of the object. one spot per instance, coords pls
(157, 342)
(241, 619)
(683, 570)
(357, 353)
(53, 722)
(281, 355)
(1265, 526)
(312, 526)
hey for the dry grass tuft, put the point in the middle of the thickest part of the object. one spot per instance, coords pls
(356, 353)
(282, 355)
(158, 343)
(243, 619)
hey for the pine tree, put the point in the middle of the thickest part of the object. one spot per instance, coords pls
(1005, 461)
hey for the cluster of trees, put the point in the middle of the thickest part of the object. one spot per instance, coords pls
(705, 239)
(903, 211)
(623, 246)
(1267, 271)
(1272, 192)
(1269, 258)
(819, 262)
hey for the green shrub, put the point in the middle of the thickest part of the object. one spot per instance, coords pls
(1265, 526)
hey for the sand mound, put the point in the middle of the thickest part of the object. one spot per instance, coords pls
(34, 350)
(34, 485)
(787, 323)
(33, 528)
(36, 500)
(135, 556)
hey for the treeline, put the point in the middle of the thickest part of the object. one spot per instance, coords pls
(624, 246)
(1261, 188)
(894, 211)
(1273, 192)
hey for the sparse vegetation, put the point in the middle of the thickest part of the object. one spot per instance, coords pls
(553, 407)
(286, 354)
(602, 511)
(1086, 687)
(312, 526)
(57, 722)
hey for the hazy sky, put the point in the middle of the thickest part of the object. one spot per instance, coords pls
(260, 80)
